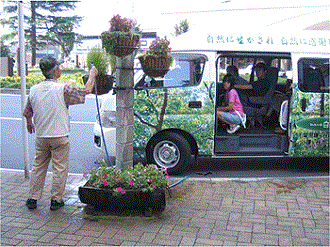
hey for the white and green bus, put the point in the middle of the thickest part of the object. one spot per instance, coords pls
(175, 120)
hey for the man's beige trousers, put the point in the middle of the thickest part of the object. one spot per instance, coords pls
(57, 150)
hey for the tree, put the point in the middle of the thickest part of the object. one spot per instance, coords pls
(45, 25)
(61, 33)
(4, 50)
(181, 28)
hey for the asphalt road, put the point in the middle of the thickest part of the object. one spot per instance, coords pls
(83, 154)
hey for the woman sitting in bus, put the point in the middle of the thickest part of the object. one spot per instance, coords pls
(231, 111)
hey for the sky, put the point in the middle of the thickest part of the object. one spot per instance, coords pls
(221, 15)
(162, 16)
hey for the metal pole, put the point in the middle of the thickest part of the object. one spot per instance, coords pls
(23, 85)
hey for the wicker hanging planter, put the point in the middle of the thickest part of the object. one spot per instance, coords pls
(155, 66)
(119, 44)
(104, 83)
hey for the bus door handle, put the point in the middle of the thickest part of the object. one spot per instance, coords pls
(303, 104)
(195, 104)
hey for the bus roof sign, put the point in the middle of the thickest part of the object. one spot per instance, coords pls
(304, 41)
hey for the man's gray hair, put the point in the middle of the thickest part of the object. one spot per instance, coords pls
(48, 65)
(49, 74)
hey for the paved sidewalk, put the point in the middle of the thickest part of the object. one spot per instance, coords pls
(209, 212)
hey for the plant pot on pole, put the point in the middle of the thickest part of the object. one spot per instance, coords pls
(99, 58)
(104, 83)
(121, 39)
(155, 66)
(119, 43)
(157, 60)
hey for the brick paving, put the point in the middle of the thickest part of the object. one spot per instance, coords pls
(209, 212)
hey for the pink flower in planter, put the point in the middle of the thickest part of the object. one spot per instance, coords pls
(84, 175)
(154, 186)
(165, 170)
(167, 177)
(120, 189)
(105, 175)
(131, 182)
(105, 182)
(149, 181)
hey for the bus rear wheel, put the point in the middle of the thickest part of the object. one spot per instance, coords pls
(170, 150)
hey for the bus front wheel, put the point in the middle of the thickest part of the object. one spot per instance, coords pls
(170, 150)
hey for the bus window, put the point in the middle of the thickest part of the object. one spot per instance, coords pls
(313, 75)
(187, 70)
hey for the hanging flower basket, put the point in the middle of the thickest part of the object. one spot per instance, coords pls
(104, 83)
(122, 38)
(119, 43)
(155, 66)
(157, 60)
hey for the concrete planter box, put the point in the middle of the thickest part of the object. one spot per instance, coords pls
(132, 199)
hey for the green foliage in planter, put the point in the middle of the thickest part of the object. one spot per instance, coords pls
(99, 58)
(109, 39)
(113, 61)
(140, 177)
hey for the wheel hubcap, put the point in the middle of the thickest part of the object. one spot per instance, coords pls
(166, 154)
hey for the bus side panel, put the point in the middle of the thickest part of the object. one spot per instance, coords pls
(310, 120)
(164, 108)
(306, 140)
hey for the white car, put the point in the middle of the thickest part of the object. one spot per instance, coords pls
(108, 120)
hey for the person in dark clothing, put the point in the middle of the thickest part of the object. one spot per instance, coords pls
(260, 86)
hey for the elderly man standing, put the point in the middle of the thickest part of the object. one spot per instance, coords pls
(48, 105)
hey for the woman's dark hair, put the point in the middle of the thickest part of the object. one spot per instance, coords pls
(230, 79)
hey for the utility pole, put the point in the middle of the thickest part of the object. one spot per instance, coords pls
(23, 85)
(124, 112)
(34, 33)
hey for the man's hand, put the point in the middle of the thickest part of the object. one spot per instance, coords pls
(30, 126)
(91, 80)
(93, 72)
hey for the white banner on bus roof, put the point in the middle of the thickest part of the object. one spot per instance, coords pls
(303, 41)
